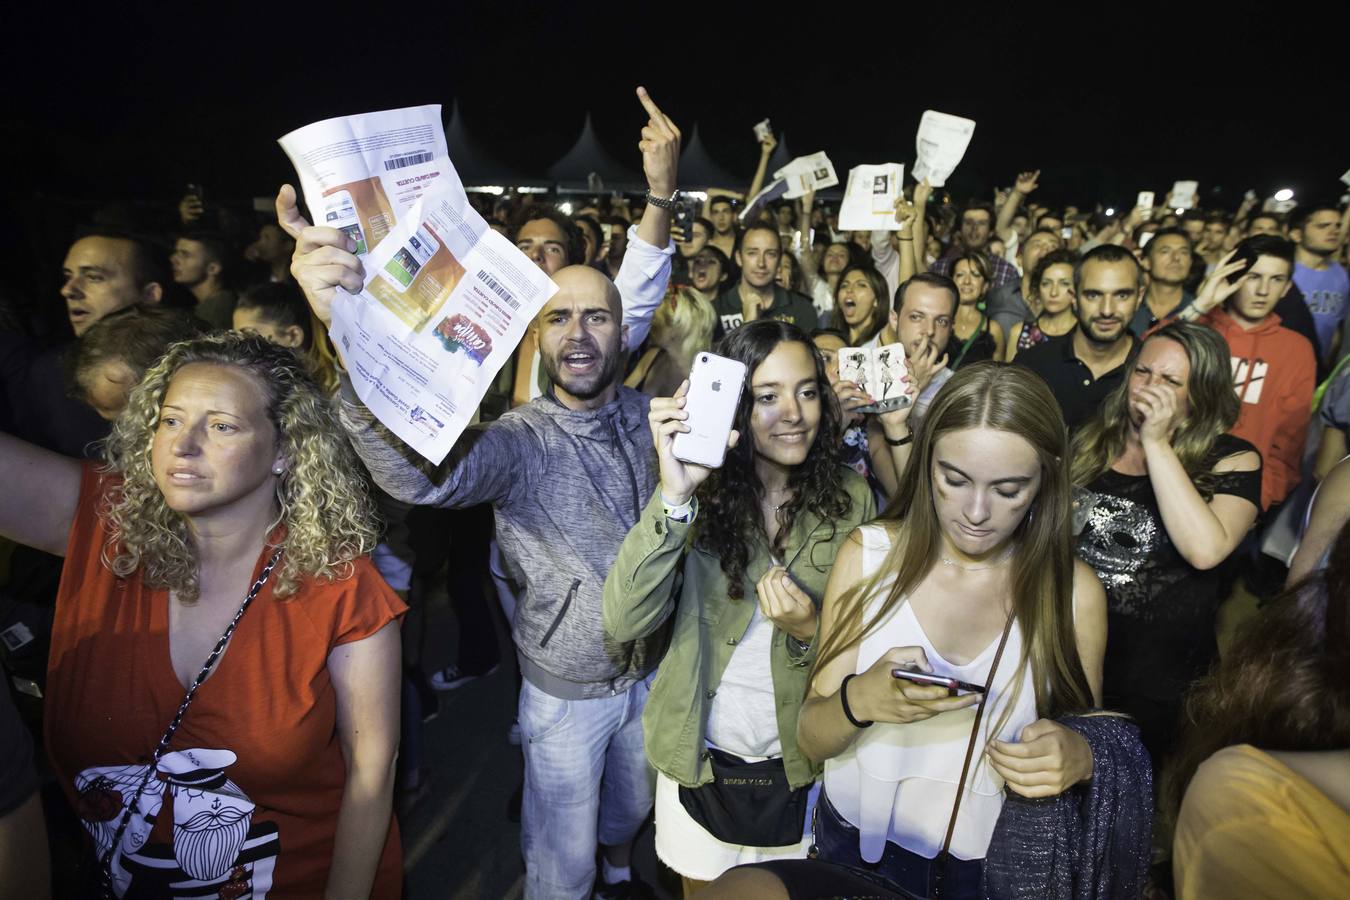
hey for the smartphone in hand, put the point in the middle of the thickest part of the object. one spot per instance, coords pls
(954, 686)
(715, 385)
(686, 211)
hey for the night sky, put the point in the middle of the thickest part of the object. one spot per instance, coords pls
(132, 103)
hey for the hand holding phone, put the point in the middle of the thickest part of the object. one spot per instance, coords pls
(686, 211)
(877, 694)
(673, 419)
(954, 686)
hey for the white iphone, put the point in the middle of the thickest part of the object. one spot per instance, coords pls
(715, 385)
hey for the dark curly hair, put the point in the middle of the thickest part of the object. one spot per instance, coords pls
(730, 498)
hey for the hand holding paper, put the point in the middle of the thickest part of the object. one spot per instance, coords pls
(870, 198)
(807, 173)
(940, 145)
(880, 373)
(323, 259)
(1183, 195)
(424, 302)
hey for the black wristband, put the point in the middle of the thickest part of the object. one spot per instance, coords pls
(662, 202)
(900, 443)
(843, 701)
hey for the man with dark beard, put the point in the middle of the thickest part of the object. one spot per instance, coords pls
(1085, 365)
(568, 475)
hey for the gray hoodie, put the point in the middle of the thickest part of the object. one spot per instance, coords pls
(566, 487)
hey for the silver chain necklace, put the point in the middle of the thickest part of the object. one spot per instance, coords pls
(947, 561)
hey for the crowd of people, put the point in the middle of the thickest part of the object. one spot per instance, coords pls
(966, 644)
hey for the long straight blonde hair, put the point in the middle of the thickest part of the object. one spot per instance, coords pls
(1012, 399)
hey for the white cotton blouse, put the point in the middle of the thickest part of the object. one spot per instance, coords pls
(898, 782)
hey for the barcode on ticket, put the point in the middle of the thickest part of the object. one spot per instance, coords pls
(411, 159)
(498, 289)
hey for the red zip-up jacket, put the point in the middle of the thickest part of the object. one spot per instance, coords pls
(1275, 373)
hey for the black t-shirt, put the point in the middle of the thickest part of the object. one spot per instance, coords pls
(1161, 609)
(789, 306)
(1070, 380)
(981, 347)
(17, 780)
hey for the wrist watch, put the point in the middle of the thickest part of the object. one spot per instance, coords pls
(661, 202)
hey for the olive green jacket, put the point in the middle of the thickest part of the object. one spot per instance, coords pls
(643, 589)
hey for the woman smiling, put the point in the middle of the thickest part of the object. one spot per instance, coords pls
(752, 544)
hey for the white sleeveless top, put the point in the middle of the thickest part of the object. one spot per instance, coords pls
(898, 782)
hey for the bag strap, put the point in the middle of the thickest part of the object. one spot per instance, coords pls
(162, 747)
(974, 735)
(979, 329)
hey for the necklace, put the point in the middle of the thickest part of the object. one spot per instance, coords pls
(947, 561)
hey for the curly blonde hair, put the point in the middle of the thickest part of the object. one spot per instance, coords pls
(323, 497)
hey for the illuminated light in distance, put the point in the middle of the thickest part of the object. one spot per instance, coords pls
(1284, 194)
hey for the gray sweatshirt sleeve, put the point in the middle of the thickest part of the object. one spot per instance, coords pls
(489, 464)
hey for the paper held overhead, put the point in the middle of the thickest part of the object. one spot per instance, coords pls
(773, 191)
(870, 196)
(446, 299)
(807, 173)
(940, 145)
(361, 174)
(1183, 195)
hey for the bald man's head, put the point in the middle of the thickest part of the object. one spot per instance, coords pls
(582, 338)
(584, 280)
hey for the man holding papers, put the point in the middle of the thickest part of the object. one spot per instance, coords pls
(567, 475)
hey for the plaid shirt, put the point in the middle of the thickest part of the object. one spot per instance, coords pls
(1003, 272)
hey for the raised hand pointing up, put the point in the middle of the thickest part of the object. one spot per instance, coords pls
(660, 146)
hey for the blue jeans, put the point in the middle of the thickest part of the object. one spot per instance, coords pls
(587, 782)
(837, 842)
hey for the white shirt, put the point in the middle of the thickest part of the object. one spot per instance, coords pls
(744, 718)
(898, 782)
